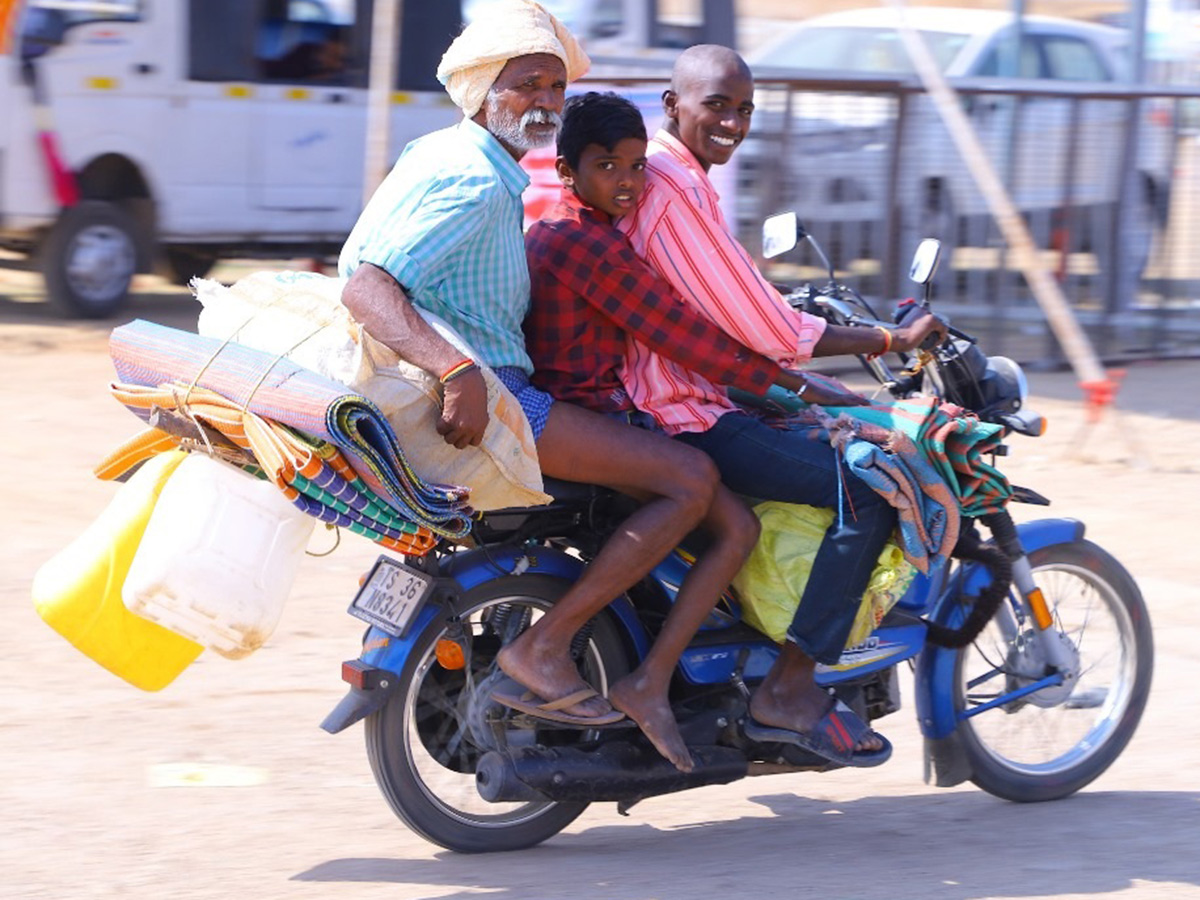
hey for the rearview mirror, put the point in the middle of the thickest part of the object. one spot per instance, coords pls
(925, 260)
(780, 234)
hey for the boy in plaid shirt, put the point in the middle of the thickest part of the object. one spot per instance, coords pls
(592, 298)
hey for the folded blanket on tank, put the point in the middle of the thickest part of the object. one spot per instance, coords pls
(928, 517)
(955, 443)
(927, 458)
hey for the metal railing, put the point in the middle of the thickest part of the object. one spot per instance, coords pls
(1107, 178)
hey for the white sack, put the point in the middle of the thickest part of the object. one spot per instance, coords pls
(299, 315)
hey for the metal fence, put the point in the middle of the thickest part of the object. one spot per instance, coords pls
(1106, 178)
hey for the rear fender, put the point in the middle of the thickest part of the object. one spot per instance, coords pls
(383, 656)
(935, 688)
(476, 567)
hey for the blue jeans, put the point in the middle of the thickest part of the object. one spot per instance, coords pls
(796, 466)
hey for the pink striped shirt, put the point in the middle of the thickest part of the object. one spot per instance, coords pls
(678, 228)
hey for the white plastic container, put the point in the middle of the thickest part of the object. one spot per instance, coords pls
(218, 557)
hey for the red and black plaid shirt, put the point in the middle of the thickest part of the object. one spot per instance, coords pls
(589, 290)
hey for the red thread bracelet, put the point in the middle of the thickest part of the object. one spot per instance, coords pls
(887, 343)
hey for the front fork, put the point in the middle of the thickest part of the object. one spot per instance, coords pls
(937, 672)
(1044, 632)
(1006, 536)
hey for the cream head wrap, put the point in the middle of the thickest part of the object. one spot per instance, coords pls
(507, 30)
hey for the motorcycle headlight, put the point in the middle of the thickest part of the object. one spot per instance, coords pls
(963, 368)
(1003, 385)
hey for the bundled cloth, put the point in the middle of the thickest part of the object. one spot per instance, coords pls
(332, 448)
(299, 315)
(955, 443)
(929, 460)
(312, 473)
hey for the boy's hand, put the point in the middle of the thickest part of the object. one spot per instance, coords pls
(823, 391)
(464, 410)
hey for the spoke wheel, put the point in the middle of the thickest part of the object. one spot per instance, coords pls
(424, 744)
(1051, 743)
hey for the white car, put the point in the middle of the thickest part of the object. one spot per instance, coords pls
(1056, 154)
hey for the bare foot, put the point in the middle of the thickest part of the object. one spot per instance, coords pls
(550, 677)
(654, 717)
(800, 712)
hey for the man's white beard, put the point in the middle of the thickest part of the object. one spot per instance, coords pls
(512, 131)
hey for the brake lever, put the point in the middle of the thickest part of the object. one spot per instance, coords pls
(961, 335)
(932, 341)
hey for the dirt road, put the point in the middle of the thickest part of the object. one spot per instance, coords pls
(222, 785)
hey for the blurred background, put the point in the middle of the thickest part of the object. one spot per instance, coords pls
(173, 136)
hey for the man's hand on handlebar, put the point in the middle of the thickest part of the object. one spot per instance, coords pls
(924, 330)
(464, 410)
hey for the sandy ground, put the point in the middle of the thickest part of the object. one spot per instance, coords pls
(222, 785)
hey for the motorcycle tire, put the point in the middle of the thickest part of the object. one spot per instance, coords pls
(420, 746)
(1050, 744)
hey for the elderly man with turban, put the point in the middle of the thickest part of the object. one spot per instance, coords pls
(443, 233)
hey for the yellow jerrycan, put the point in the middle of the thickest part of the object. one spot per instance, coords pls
(78, 591)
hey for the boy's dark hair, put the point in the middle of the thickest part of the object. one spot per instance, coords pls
(595, 118)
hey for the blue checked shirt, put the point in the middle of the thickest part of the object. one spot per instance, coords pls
(446, 224)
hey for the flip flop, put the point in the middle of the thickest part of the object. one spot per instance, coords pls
(552, 710)
(834, 738)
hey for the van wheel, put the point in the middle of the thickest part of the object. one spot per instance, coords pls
(89, 259)
(186, 263)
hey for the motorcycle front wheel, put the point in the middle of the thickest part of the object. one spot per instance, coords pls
(421, 745)
(1051, 743)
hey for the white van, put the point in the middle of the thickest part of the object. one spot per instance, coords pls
(167, 133)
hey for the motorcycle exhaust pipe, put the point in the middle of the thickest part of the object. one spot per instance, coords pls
(614, 771)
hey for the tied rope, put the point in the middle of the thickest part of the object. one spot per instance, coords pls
(245, 406)
(184, 406)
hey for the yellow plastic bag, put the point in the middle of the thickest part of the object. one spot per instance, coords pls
(78, 591)
(772, 581)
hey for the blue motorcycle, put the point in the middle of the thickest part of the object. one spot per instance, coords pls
(1032, 654)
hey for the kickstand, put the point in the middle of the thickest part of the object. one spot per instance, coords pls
(1099, 396)
(624, 806)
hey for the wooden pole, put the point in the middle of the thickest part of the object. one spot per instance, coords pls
(385, 39)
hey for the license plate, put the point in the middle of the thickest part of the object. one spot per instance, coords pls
(391, 596)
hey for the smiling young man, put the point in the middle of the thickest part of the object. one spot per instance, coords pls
(679, 230)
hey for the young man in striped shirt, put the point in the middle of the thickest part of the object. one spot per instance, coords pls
(679, 230)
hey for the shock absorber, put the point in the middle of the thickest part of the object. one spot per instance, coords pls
(1005, 533)
(580, 641)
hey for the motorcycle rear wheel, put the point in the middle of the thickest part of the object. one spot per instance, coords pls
(1050, 744)
(420, 745)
